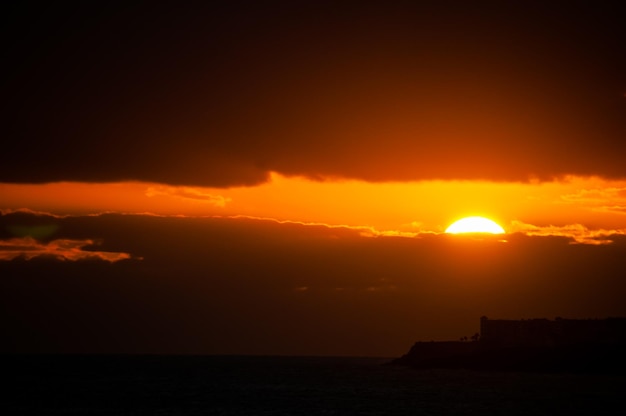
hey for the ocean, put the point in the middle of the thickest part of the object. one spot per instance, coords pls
(246, 385)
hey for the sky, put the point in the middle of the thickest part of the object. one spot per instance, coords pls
(277, 177)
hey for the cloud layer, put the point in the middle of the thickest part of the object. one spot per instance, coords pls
(260, 287)
(221, 95)
(64, 249)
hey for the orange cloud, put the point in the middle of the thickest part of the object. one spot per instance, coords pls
(7, 211)
(188, 193)
(61, 249)
(609, 200)
(577, 232)
(363, 231)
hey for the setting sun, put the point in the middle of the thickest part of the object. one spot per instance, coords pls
(474, 225)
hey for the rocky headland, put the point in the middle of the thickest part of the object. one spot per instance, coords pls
(560, 345)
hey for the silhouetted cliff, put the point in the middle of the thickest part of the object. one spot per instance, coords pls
(593, 345)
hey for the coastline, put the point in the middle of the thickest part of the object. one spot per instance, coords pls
(536, 345)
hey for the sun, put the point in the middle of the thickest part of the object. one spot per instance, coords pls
(474, 225)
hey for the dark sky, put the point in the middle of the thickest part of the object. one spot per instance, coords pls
(219, 94)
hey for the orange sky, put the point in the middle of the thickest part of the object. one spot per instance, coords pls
(554, 208)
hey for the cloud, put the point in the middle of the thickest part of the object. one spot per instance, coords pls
(577, 232)
(362, 230)
(63, 249)
(609, 200)
(189, 193)
(28, 212)
(236, 285)
(403, 91)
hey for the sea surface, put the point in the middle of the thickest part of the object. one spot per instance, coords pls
(244, 385)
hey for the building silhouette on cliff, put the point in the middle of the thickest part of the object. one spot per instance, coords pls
(530, 345)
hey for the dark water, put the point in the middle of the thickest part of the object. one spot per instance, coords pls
(225, 385)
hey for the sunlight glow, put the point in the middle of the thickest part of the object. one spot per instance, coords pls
(574, 207)
(474, 225)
